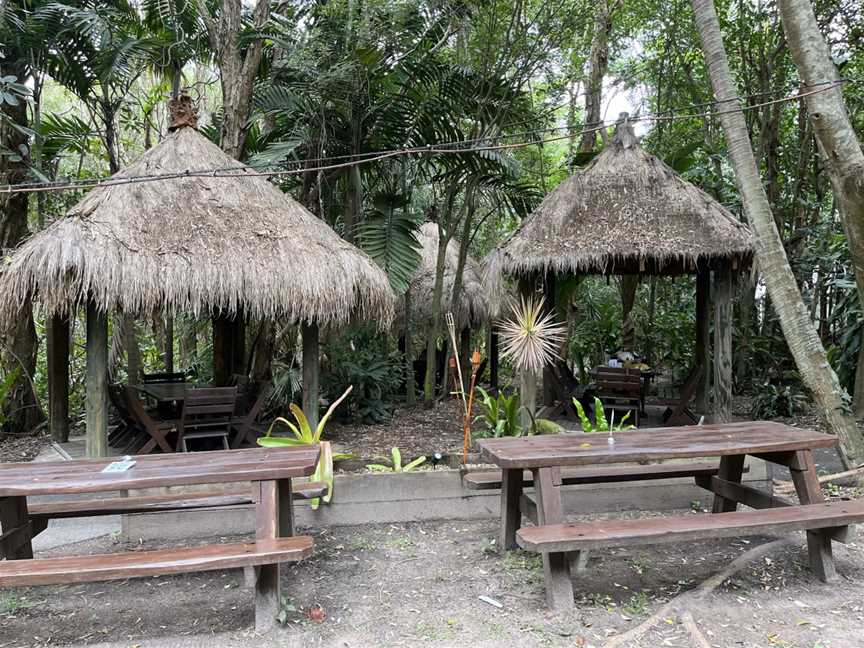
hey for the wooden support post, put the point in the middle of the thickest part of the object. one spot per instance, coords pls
(222, 350)
(97, 381)
(58, 376)
(309, 333)
(809, 491)
(238, 344)
(549, 306)
(15, 531)
(556, 566)
(722, 345)
(493, 357)
(703, 344)
(273, 519)
(731, 469)
(169, 343)
(511, 518)
(527, 378)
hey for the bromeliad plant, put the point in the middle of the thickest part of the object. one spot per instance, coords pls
(600, 423)
(396, 466)
(304, 435)
(501, 417)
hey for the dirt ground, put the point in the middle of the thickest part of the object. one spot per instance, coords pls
(419, 584)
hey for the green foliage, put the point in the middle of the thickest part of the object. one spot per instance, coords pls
(600, 423)
(771, 401)
(396, 463)
(389, 236)
(305, 435)
(6, 385)
(499, 415)
(361, 357)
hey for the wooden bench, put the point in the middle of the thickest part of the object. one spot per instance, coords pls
(491, 479)
(620, 390)
(80, 569)
(42, 513)
(826, 520)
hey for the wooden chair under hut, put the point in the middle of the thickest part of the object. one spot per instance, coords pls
(470, 314)
(188, 229)
(629, 214)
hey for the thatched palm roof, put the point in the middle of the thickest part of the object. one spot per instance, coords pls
(197, 244)
(473, 307)
(626, 212)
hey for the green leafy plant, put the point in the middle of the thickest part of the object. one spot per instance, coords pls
(500, 414)
(396, 465)
(600, 423)
(770, 401)
(304, 435)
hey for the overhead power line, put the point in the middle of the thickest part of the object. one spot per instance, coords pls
(444, 148)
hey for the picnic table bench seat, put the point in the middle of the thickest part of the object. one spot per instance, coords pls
(596, 534)
(491, 479)
(101, 567)
(41, 513)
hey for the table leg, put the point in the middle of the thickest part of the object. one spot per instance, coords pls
(511, 517)
(803, 472)
(556, 567)
(16, 534)
(731, 469)
(273, 519)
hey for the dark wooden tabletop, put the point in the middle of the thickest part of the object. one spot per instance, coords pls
(167, 392)
(176, 469)
(575, 449)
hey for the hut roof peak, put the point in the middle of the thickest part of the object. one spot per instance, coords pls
(625, 212)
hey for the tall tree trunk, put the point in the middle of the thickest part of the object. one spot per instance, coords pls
(795, 321)
(838, 144)
(627, 289)
(238, 63)
(435, 329)
(598, 62)
(18, 341)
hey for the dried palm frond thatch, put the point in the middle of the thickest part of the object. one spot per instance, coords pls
(626, 212)
(473, 308)
(198, 244)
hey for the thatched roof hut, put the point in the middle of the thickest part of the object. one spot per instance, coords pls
(473, 309)
(197, 244)
(626, 213)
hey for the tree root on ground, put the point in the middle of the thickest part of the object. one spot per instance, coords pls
(680, 604)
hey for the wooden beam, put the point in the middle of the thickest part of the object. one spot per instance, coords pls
(549, 299)
(722, 346)
(739, 493)
(238, 344)
(58, 376)
(703, 343)
(97, 381)
(309, 333)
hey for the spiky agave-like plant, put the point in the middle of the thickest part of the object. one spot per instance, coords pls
(531, 338)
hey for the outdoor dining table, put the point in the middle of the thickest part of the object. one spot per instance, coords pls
(269, 470)
(731, 442)
(168, 396)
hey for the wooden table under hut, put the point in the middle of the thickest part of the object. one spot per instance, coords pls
(629, 214)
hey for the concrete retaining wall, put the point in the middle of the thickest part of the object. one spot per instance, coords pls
(426, 495)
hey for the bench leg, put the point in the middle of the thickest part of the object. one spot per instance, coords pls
(15, 532)
(803, 472)
(731, 469)
(511, 518)
(556, 566)
(273, 519)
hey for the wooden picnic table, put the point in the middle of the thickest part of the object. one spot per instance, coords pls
(269, 470)
(732, 442)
